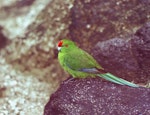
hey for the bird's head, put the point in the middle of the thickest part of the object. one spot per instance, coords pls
(65, 44)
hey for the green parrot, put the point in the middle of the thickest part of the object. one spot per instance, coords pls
(80, 64)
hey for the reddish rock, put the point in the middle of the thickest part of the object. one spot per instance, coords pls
(100, 20)
(140, 45)
(3, 39)
(92, 96)
(115, 56)
(97, 21)
(128, 59)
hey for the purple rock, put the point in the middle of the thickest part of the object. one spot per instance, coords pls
(3, 39)
(140, 45)
(100, 20)
(115, 56)
(92, 96)
(128, 59)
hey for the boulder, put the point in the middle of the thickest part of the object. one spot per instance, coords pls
(92, 96)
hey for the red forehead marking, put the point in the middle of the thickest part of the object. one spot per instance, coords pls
(60, 43)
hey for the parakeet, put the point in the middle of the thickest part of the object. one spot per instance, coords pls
(80, 64)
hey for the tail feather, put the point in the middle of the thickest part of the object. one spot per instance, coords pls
(112, 78)
(109, 79)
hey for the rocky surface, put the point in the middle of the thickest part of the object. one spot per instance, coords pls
(116, 57)
(92, 96)
(140, 44)
(129, 58)
(99, 20)
(29, 70)
(29, 30)
(110, 30)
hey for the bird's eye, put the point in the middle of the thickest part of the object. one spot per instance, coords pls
(66, 45)
(60, 43)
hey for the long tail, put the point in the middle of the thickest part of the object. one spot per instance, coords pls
(112, 78)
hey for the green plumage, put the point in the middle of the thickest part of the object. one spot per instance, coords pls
(80, 64)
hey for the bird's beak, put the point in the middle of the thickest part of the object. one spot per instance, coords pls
(59, 49)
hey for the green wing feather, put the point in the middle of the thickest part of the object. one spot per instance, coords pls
(79, 59)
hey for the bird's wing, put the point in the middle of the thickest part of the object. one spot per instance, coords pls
(79, 60)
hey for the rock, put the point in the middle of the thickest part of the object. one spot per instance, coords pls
(16, 22)
(28, 63)
(140, 45)
(3, 39)
(129, 58)
(100, 20)
(115, 56)
(97, 21)
(92, 96)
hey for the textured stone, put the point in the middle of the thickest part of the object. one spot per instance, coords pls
(115, 56)
(140, 45)
(128, 59)
(92, 96)
(29, 70)
(99, 20)
(3, 39)
(13, 19)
